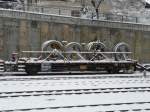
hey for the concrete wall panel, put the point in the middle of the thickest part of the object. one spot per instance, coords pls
(20, 34)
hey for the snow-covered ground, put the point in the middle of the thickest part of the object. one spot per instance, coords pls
(36, 85)
(148, 1)
(75, 101)
(92, 102)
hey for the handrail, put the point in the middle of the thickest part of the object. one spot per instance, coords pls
(74, 52)
(8, 13)
(68, 11)
(73, 12)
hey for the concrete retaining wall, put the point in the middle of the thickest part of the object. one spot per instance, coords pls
(27, 31)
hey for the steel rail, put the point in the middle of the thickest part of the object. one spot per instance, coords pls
(70, 78)
(84, 106)
(72, 92)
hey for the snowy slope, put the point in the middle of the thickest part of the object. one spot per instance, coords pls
(148, 1)
(131, 8)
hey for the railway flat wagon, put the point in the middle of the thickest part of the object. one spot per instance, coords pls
(80, 66)
(70, 57)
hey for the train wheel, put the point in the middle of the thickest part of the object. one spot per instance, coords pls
(112, 70)
(32, 69)
(129, 70)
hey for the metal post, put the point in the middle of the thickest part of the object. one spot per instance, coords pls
(144, 73)
(122, 18)
(92, 15)
(136, 19)
(28, 5)
(59, 11)
(42, 10)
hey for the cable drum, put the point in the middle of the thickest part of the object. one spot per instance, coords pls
(96, 47)
(52, 44)
(76, 48)
(55, 47)
(122, 47)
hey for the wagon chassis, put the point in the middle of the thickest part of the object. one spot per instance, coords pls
(64, 65)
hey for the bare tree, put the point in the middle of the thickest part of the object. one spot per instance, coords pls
(96, 4)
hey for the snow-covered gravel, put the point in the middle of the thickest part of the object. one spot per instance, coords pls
(76, 100)
(94, 102)
(12, 86)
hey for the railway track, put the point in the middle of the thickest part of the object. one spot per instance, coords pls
(50, 90)
(72, 92)
(68, 77)
(89, 106)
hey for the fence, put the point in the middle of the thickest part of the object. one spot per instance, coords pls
(72, 12)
